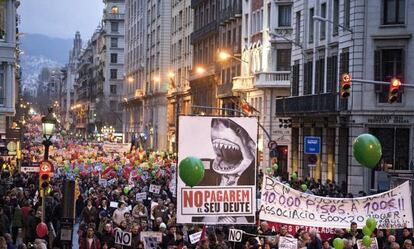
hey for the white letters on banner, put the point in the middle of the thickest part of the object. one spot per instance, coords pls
(122, 238)
(280, 203)
(374, 244)
(288, 243)
(195, 237)
(227, 148)
(235, 235)
(154, 189)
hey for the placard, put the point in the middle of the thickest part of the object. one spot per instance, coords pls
(288, 243)
(154, 189)
(151, 239)
(123, 238)
(227, 148)
(280, 203)
(374, 244)
(235, 235)
(141, 196)
(195, 237)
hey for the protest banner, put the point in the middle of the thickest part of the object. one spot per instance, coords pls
(227, 148)
(123, 238)
(141, 196)
(103, 182)
(150, 239)
(288, 243)
(325, 232)
(154, 189)
(280, 203)
(374, 244)
(195, 237)
(235, 235)
(110, 148)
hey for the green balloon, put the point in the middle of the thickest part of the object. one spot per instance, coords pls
(275, 167)
(367, 150)
(294, 176)
(269, 171)
(304, 187)
(126, 190)
(191, 171)
(76, 170)
(338, 243)
(371, 223)
(366, 231)
(154, 173)
(366, 241)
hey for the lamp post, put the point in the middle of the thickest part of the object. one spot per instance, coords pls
(48, 127)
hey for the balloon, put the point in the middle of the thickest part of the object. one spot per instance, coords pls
(371, 223)
(154, 173)
(191, 171)
(41, 230)
(275, 167)
(294, 176)
(338, 243)
(367, 150)
(126, 190)
(366, 241)
(76, 170)
(366, 231)
(304, 187)
(269, 171)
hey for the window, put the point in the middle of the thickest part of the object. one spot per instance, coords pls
(284, 15)
(311, 14)
(323, 24)
(114, 27)
(347, 13)
(394, 12)
(331, 73)
(295, 78)
(114, 74)
(114, 10)
(114, 42)
(2, 20)
(307, 78)
(335, 17)
(283, 59)
(113, 105)
(246, 31)
(389, 63)
(112, 89)
(269, 10)
(2, 84)
(297, 35)
(114, 58)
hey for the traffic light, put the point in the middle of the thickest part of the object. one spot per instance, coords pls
(394, 90)
(345, 85)
(45, 170)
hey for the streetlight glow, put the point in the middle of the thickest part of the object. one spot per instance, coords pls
(171, 74)
(200, 70)
(223, 56)
(157, 79)
(130, 79)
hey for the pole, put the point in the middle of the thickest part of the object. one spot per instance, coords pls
(43, 204)
(375, 82)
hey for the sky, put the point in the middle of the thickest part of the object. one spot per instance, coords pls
(60, 18)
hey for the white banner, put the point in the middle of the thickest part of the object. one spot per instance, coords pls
(29, 169)
(227, 148)
(280, 203)
(141, 196)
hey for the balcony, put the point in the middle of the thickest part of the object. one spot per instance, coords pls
(307, 104)
(204, 32)
(242, 83)
(230, 13)
(113, 16)
(278, 79)
(225, 90)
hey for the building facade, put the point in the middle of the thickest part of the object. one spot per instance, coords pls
(265, 74)
(179, 97)
(370, 41)
(8, 87)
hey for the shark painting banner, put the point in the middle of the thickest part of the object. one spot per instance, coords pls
(227, 147)
(281, 203)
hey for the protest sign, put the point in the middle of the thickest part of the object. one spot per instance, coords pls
(123, 238)
(325, 232)
(288, 243)
(227, 148)
(151, 239)
(154, 189)
(374, 244)
(141, 196)
(113, 204)
(280, 203)
(235, 235)
(116, 148)
(103, 182)
(195, 237)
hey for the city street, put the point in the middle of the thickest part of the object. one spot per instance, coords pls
(206, 124)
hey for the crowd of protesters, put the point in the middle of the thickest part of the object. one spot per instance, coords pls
(104, 206)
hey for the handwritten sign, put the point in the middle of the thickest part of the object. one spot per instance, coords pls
(280, 203)
(141, 196)
(374, 244)
(123, 238)
(235, 235)
(151, 239)
(288, 243)
(195, 237)
(154, 189)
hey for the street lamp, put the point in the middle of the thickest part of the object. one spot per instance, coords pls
(48, 127)
(224, 56)
(200, 70)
